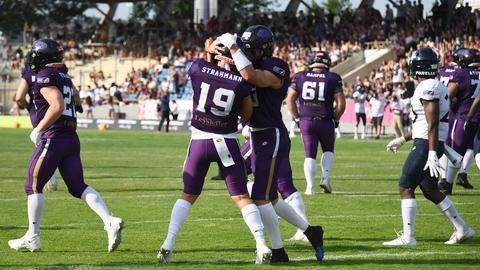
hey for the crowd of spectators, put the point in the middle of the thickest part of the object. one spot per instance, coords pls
(297, 37)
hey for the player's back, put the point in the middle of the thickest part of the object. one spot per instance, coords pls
(316, 91)
(468, 80)
(67, 123)
(217, 97)
(429, 89)
(267, 102)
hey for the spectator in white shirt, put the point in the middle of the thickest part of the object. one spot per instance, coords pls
(377, 102)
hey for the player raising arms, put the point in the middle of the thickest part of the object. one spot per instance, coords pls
(219, 96)
(269, 136)
(317, 91)
(58, 146)
(463, 87)
(359, 96)
(430, 106)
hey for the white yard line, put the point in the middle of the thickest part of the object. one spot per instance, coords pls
(166, 219)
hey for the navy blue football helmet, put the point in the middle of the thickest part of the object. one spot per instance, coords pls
(321, 59)
(465, 57)
(423, 63)
(44, 52)
(257, 42)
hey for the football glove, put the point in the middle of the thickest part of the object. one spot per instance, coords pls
(336, 123)
(395, 144)
(228, 40)
(35, 136)
(432, 164)
(79, 108)
(246, 132)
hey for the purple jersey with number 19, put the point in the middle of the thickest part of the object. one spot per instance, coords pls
(217, 97)
(66, 125)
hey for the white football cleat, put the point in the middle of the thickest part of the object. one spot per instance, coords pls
(401, 241)
(31, 243)
(458, 237)
(52, 184)
(264, 254)
(299, 236)
(309, 190)
(164, 256)
(325, 184)
(114, 232)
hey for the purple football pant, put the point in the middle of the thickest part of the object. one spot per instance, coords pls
(203, 152)
(63, 153)
(271, 164)
(457, 139)
(284, 177)
(314, 131)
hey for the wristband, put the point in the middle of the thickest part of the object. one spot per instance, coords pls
(241, 61)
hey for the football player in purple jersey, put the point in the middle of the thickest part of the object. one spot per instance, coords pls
(220, 95)
(252, 54)
(26, 81)
(57, 145)
(317, 90)
(463, 87)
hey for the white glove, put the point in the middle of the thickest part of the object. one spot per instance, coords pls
(395, 144)
(35, 136)
(246, 132)
(433, 164)
(227, 39)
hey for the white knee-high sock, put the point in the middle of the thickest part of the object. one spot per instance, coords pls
(355, 131)
(310, 169)
(180, 211)
(467, 161)
(270, 221)
(409, 211)
(251, 216)
(443, 166)
(451, 172)
(447, 208)
(286, 212)
(53, 179)
(35, 204)
(327, 163)
(364, 131)
(95, 202)
(296, 202)
(477, 160)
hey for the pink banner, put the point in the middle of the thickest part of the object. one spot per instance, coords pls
(349, 115)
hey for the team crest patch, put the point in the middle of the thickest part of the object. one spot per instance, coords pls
(279, 70)
(43, 80)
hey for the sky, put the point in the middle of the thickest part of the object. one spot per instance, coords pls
(124, 9)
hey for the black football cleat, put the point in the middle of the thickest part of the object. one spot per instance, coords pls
(445, 187)
(462, 180)
(279, 256)
(315, 236)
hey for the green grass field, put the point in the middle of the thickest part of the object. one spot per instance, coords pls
(139, 177)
